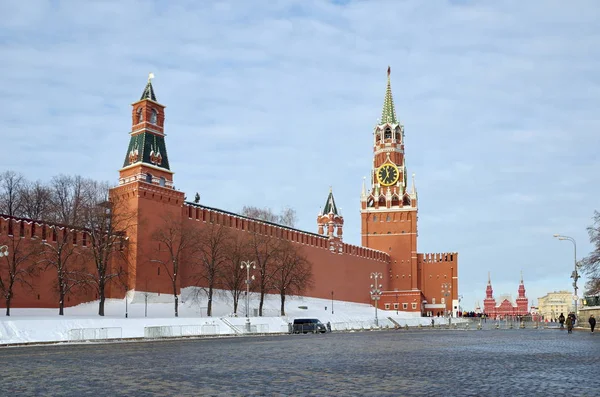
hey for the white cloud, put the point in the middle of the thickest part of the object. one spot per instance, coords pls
(497, 99)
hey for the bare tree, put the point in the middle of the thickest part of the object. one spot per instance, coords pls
(35, 200)
(106, 224)
(287, 217)
(293, 272)
(11, 184)
(18, 266)
(211, 256)
(234, 277)
(591, 263)
(67, 198)
(264, 250)
(176, 243)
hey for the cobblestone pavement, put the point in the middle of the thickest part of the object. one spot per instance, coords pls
(376, 363)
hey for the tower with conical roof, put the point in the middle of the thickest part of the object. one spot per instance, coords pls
(388, 205)
(522, 301)
(330, 223)
(489, 303)
(146, 190)
(146, 157)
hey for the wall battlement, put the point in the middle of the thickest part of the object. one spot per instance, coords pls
(440, 257)
(207, 214)
(45, 231)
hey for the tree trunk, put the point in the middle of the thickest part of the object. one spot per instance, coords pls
(260, 305)
(282, 304)
(61, 304)
(8, 306)
(101, 305)
(235, 304)
(176, 299)
(102, 296)
(209, 306)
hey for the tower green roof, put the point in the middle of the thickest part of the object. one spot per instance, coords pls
(330, 205)
(148, 92)
(388, 114)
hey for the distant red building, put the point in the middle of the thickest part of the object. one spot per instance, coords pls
(505, 306)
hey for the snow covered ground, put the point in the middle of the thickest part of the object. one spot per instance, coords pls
(156, 318)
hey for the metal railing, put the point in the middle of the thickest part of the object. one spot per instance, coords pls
(95, 333)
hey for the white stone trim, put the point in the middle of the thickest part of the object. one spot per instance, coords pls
(147, 129)
(147, 165)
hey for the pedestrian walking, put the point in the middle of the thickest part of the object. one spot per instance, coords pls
(561, 320)
(328, 326)
(592, 322)
(569, 323)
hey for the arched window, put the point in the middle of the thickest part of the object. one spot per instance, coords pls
(388, 133)
(149, 177)
(374, 218)
(162, 181)
(153, 116)
(140, 116)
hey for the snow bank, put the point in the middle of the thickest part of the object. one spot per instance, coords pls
(151, 315)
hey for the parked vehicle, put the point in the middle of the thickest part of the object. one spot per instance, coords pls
(306, 325)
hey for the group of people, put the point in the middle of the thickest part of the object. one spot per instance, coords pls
(570, 320)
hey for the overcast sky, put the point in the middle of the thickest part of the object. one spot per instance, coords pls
(271, 102)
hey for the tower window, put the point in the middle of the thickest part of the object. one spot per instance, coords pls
(374, 218)
(149, 177)
(140, 115)
(162, 181)
(388, 133)
(153, 116)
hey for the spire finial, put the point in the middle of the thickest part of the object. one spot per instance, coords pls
(389, 71)
(150, 76)
(330, 189)
(521, 276)
(414, 187)
(489, 278)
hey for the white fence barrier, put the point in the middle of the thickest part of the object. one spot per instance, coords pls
(169, 331)
(95, 333)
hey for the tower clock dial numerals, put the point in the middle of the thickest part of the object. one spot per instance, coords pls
(388, 174)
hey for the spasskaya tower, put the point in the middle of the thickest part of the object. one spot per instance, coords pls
(389, 205)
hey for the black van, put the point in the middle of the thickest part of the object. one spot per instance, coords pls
(306, 325)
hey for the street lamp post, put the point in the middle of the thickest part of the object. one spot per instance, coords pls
(331, 302)
(376, 292)
(575, 274)
(446, 290)
(247, 265)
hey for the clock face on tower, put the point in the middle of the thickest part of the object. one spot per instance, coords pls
(388, 174)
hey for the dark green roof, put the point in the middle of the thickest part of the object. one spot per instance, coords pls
(330, 205)
(148, 147)
(148, 92)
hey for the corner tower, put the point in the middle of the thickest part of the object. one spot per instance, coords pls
(388, 206)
